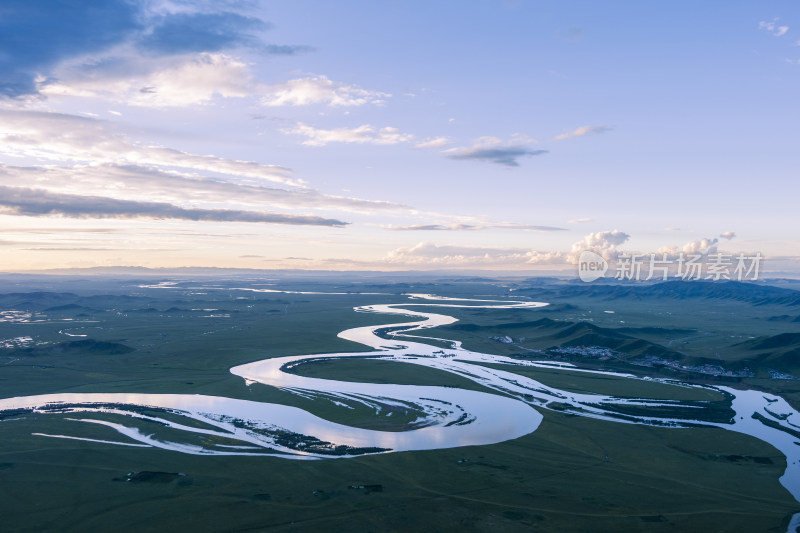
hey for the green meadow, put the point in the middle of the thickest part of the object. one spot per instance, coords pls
(571, 474)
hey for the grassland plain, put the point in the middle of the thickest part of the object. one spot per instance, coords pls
(571, 474)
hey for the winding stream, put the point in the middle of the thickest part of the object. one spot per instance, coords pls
(446, 417)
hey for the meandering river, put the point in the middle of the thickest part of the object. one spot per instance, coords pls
(446, 416)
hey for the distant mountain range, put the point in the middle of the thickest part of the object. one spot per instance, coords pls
(754, 293)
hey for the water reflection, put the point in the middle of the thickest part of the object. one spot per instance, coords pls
(449, 417)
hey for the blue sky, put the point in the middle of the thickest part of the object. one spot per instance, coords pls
(395, 135)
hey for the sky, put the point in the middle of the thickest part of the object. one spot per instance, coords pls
(387, 135)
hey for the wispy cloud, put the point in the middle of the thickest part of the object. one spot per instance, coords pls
(728, 235)
(51, 230)
(579, 220)
(38, 202)
(4, 242)
(319, 90)
(493, 150)
(80, 156)
(582, 132)
(364, 134)
(59, 137)
(474, 227)
(773, 27)
(136, 182)
(428, 254)
(436, 142)
(79, 249)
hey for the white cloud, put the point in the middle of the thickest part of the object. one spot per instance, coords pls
(701, 246)
(364, 134)
(581, 132)
(579, 220)
(728, 235)
(319, 90)
(169, 82)
(197, 82)
(603, 243)
(192, 79)
(773, 27)
(698, 247)
(436, 142)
